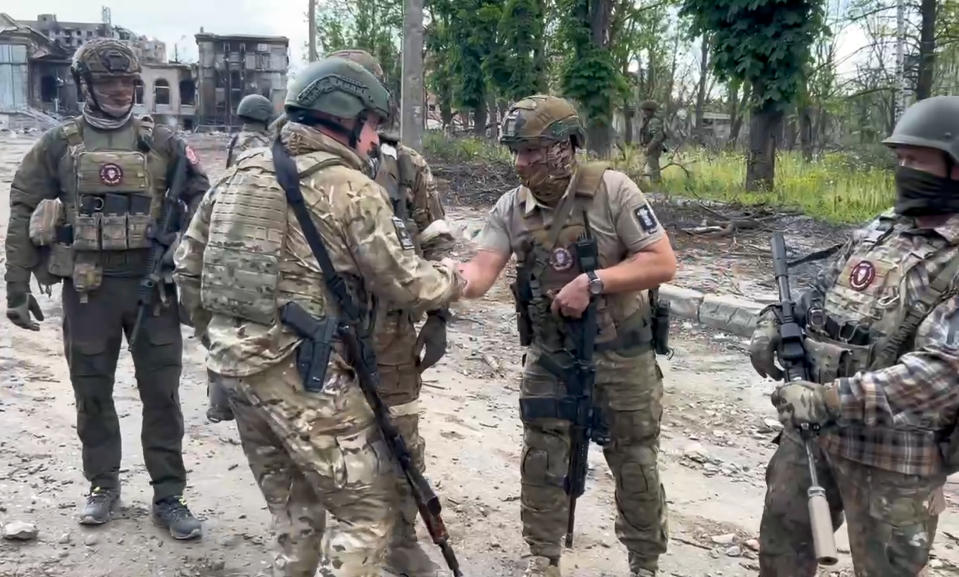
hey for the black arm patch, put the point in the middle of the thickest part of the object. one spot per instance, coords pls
(403, 234)
(646, 218)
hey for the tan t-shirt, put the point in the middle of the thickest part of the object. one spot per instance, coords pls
(620, 219)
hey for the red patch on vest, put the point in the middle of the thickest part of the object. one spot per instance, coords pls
(862, 275)
(561, 259)
(111, 174)
(191, 156)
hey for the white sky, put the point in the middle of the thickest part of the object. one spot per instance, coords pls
(176, 21)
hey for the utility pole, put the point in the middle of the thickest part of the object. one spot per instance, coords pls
(411, 102)
(311, 18)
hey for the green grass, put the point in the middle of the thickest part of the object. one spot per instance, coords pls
(439, 147)
(837, 188)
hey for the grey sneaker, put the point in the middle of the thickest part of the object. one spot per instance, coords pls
(101, 503)
(173, 514)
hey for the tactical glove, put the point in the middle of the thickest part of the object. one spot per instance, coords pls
(803, 403)
(20, 303)
(764, 345)
(431, 342)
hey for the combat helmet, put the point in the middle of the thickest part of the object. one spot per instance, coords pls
(541, 120)
(930, 123)
(650, 105)
(256, 108)
(104, 58)
(336, 88)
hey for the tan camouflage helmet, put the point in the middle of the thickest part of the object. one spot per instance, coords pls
(650, 105)
(541, 120)
(105, 57)
(363, 58)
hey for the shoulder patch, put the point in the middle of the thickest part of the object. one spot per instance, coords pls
(647, 220)
(403, 234)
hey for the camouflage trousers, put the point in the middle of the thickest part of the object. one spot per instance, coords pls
(892, 517)
(652, 168)
(400, 384)
(313, 453)
(628, 392)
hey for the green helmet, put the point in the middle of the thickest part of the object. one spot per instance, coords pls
(105, 57)
(337, 87)
(929, 123)
(256, 108)
(363, 58)
(650, 105)
(540, 120)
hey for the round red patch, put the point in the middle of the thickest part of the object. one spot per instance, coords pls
(111, 174)
(862, 275)
(191, 156)
(561, 259)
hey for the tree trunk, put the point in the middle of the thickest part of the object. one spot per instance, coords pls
(493, 120)
(667, 97)
(479, 121)
(806, 133)
(599, 13)
(927, 49)
(701, 93)
(736, 121)
(628, 112)
(598, 139)
(411, 85)
(765, 124)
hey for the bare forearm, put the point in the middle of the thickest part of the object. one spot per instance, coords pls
(640, 272)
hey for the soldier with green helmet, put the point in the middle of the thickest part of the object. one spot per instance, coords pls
(82, 207)
(882, 341)
(402, 354)
(244, 257)
(652, 136)
(256, 112)
(562, 204)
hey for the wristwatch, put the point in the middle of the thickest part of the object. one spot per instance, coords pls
(595, 283)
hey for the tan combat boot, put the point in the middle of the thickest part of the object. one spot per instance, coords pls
(405, 557)
(541, 567)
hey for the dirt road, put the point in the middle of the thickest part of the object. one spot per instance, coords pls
(715, 442)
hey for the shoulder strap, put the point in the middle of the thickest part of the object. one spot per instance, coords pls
(937, 291)
(289, 178)
(229, 150)
(73, 132)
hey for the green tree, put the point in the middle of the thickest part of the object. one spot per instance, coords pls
(517, 65)
(588, 73)
(764, 43)
(371, 25)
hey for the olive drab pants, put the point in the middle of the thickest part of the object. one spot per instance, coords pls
(400, 385)
(892, 517)
(313, 453)
(92, 335)
(629, 392)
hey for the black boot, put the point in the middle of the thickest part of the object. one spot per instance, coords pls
(173, 514)
(101, 503)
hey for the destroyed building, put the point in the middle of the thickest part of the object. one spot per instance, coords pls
(230, 67)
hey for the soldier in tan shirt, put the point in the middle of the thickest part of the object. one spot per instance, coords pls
(560, 204)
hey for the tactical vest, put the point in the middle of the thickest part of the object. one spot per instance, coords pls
(112, 191)
(866, 322)
(550, 260)
(247, 270)
(397, 175)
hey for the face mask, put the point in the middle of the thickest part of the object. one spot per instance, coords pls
(920, 193)
(548, 177)
(114, 101)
